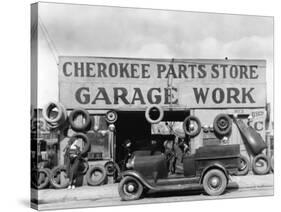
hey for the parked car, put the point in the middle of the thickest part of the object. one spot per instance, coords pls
(209, 166)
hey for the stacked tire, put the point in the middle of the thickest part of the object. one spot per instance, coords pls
(40, 178)
(261, 164)
(55, 115)
(58, 175)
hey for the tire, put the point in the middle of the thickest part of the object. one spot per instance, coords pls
(58, 184)
(111, 117)
(111, 168)
(244, 166)
(222, 124)
(85, 125)
(85, 139)
(130, 189)
(39, 174)
(187, 130)
(214, 182)
(59, 119)
(264, 162)
(101, 179)
(83, 167)
(151, 120)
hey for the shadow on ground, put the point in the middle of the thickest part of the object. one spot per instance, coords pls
(233, 186)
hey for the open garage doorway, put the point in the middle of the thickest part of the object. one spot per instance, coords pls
(134, 126)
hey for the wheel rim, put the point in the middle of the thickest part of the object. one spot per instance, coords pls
(192, 126)
(223, 123)
(130, 188)
(215, 182)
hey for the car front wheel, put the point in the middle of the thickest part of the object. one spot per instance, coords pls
(130, 188)
(214, 182)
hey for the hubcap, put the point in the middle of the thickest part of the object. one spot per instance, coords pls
(131, 187)
(191, 127)
(214, 182)
(223, 124)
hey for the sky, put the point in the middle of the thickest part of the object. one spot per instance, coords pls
(80, 30)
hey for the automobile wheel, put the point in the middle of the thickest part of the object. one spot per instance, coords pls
(222, 124)
(111, 168)
(130, 188)
(111, 117)
(86, 120)
(244, 166)
(59, 177)
(85, 139)
(261, 164)
(40, 178)
(96, 175)
(214, 182)
(154, 114)
(192, 126)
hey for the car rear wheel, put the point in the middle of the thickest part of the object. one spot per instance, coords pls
(214, 182)
(130, 188)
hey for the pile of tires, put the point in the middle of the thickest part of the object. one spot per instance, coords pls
(58, 175)
(260, 164)
(80, 121)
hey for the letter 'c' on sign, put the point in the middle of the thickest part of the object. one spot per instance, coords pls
(65, 69)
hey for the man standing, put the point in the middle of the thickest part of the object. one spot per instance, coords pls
(170, 155)
(73, 155)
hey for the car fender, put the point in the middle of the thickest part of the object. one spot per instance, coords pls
(138, 176)
(214, 166)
